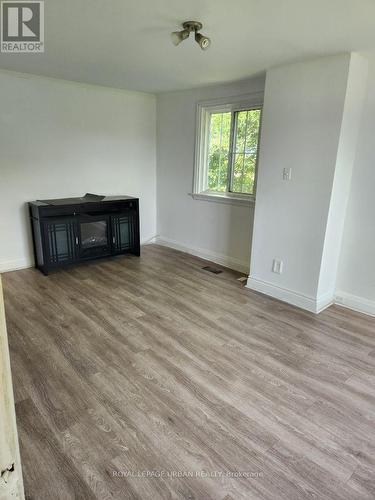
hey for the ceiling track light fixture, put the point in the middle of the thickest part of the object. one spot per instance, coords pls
(191, 26)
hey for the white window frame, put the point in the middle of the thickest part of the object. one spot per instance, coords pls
(204, 111)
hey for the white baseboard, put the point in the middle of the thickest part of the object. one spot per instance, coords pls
(14, 265)
(223, 260)
(296, 299)
(148, 241)
(324, 301)
(315, 305)
(355, 303)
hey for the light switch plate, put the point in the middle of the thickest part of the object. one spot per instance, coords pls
(277, 266)
(287, 174)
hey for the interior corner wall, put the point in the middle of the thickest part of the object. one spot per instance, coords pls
(62, 139)
(217, 231)
(356, 274)
(302, 119)
(351, 120)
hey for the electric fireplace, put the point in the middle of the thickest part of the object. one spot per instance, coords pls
(72, 230)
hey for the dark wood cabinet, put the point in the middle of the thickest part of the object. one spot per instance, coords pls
(74, 230)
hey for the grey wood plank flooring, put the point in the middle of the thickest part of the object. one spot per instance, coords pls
(151, 378)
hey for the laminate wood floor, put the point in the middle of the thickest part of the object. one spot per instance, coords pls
(153, 379)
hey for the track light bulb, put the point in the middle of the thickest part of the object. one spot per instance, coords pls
(179, 36)
(191, 27)
(203, 41)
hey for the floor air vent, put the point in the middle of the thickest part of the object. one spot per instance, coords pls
(213, 270)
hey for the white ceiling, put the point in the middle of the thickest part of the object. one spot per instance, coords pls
(126, 43)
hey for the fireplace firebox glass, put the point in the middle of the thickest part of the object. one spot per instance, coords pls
(94, 234)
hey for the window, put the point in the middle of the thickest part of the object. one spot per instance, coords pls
(227, 150)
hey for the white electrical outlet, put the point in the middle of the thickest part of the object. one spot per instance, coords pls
(277, 266)
(287, 174)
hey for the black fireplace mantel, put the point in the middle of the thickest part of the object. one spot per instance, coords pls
(72, 230)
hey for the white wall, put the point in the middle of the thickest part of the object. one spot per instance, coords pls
(61, 139)
(351, 120)
(356, 279)
(302, 123)
(218, 231)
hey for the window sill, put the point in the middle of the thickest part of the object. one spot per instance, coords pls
(229, 198)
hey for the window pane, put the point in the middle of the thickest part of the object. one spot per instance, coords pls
(241, 130)
(218, 151)
(243, 173)
(245, 151)
(237, 173)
